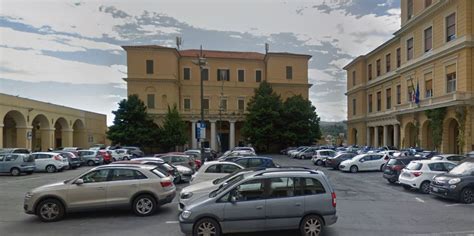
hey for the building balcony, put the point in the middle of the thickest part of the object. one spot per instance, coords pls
(190, 114)
(455, 98)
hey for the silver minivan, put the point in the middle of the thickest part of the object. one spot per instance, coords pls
(264, 201)
(17, 163)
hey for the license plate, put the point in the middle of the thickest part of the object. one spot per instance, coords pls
(435, 189)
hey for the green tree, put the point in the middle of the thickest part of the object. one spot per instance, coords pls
(174, 130)
(301, 123)
(132, 124)
(436, 117)
(262, 126)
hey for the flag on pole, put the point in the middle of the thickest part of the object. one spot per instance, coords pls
(417, 93)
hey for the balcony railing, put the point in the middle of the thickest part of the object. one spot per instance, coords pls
(450, 97)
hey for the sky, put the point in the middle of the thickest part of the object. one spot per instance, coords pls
(69, 52)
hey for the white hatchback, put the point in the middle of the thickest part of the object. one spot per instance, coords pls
(364, 162)
(49, 161)
(214, 169)
(418, 174)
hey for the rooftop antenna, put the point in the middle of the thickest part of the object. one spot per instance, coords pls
(179, 42)
(267, 47)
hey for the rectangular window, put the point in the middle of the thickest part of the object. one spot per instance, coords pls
(241, 75)
(409, 9)
(205, 104)
(428, 85)
(370, 102)
(428, 3)
(388, 95)
(149, 66)
(150, 101)
(378, 67)
(187, 104)
(205, 74)
(428, 39)
(409, 49)
(379, 101)
(354, 107)
(399, 94)
(289, 72)
(451, 82)
(241, 104)
(223, 75)
(399, 57)
(258, 76)
(281, 187)
(187, 73)
(388, 62)
(369, 68)
(223, 105)
(353, 78)
(451, 27)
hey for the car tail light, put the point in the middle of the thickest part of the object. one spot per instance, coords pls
(166, 183)
(57, 158)
(417, 174)
(333, 195)
(397, 168)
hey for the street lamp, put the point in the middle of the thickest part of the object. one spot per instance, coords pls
(201, 62)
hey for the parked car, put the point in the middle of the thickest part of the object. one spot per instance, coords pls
(15, 150)
(249, 162)
(140, 187)
(364, 162)
(262, 201)
(418, 174)
(49, 161)
(91, 157)
(73, 160)
(457, 184)
(135, 151)
(320, 156)
(230, 156)
(428, 154)
(470, 154)
(286, 150)
(214, 169)
(162, 165)
(71, 149)
(17, 163)
(455, 158)
(394, 167)
(307, 153)
(120, 154)
(196, 153)
(335, 161)
(297, 152)
(183, 160)
(290, 153)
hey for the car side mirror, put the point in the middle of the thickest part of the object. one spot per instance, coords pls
(79, 182)
(361, 161)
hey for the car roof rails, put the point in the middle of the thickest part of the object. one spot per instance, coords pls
(279, 170)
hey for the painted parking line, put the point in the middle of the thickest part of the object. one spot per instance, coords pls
(420, 200)
(172, 222)
(467, 233)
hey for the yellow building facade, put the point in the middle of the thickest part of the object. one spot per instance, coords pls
(431, 53)
(164, 76)
(38, 126)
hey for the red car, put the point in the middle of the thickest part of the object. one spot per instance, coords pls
(106, 156)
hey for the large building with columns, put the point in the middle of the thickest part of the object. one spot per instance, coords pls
(164, 76)
(38, 126)
(431, 53)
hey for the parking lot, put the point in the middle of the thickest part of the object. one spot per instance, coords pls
(366, 205)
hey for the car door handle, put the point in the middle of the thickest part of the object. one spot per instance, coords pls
(298, 204)
(259, 207)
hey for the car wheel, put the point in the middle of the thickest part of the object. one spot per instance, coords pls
(15, 171)
(50, 169)
(406, 187)
(311, 226)
(50, 210)
(319, 163)
(354, 169)
(425, 187)
(392, 181)
(114, 159)
(144, 205)
(381, 167)
(207, 227)
(90, 163)
(467, 195)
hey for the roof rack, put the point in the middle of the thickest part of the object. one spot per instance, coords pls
(287, 170)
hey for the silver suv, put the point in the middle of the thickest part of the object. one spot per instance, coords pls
(263, 201)
(141, 187)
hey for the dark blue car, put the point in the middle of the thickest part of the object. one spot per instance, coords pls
(249, 162)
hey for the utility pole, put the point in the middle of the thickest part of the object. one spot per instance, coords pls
(201, 62)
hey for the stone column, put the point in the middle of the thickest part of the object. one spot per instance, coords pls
(193, 134)
(47, 138)
(66, 136)
(22, 140)
(1, 135)
(232, 134)
(376, 136)
(396, 136)
(213, 134)
(368, 136)
(385, 135)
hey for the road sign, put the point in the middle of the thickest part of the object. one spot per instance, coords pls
(200, 130)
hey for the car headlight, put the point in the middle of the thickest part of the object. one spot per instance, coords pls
(28, 195)
(186, 214)
(186, 195)
(454, 181)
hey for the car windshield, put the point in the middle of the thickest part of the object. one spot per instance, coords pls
(464, 169)
(226, 185)
(437, 158)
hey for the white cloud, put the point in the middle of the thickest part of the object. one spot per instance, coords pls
(340, 63)
(25, 66)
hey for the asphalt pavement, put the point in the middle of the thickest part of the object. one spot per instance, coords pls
(366, 205)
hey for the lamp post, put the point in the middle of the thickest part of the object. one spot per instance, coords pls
(201, 62)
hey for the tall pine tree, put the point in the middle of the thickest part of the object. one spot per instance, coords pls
(174, 130)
